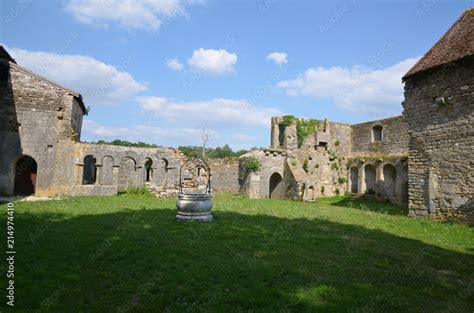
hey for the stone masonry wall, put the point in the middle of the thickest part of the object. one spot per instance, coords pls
(395, 137)
(111, 163)
(35, 116)
(439, 108)
(321, 163)
(225, 175)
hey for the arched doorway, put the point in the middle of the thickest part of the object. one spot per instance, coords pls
(311, 193)
(148, 170)
(89, 171)
(370, 179)
(390, 178)
(354, 180)
(276, 187)
(25, 176)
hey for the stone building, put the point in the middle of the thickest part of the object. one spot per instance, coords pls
(41, 152)
(439, 110)
(330, 159)
(40, 148)
(422, 160)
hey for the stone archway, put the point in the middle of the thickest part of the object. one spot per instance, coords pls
(276, 187)
(107, 171)
(89, 171)
(311, 193)
(354, 180)
(148, 170)
(370, 179)
(26, 169)
(390, 179)
(126, 174)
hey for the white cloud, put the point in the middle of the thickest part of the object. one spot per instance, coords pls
(242, 138)
(278, 57)
(136, 132)
(213, 61)
(357, 89)
(174, 64)
(98, 82)
(217, 111)
(93, 131)
(139, 14)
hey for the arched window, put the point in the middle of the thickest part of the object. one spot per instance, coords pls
(390, 178)
(89, 171)
(354, 180)
(311, 193)
(377, 133)
(148, 170)
(370, 183)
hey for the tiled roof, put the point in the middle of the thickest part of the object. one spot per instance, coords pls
(456, 43)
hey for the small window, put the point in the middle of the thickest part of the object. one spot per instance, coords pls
(377, 133)
(321, 146)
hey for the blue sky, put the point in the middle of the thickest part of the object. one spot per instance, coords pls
(161, 71)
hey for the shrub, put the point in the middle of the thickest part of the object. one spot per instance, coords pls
(287, 120)
(252, 164)
(322, 189)
(305, 166)
(138, 191)
(337, 191)
(337, 143)
(341, 180)
(370, 192)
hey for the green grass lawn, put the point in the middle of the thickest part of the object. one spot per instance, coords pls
(128, 254)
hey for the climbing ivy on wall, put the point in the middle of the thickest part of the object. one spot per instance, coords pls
(287, 120)
(303, 127)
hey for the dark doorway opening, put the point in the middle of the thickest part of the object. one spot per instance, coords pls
(354, 180)
(26, 169)
(90, 170)
(148, 170)
(276, 187)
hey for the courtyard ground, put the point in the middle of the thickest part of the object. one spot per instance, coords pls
(128, 254)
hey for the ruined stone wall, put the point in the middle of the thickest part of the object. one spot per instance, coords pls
(394, 141)
(117, 168)
(439, 109)
(257, 185)
(321, 162)
(383, 177)
(317, 168)
(225, 175)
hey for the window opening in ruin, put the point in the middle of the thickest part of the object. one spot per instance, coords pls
(377, 133)
(148, 170)
(89, 170)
